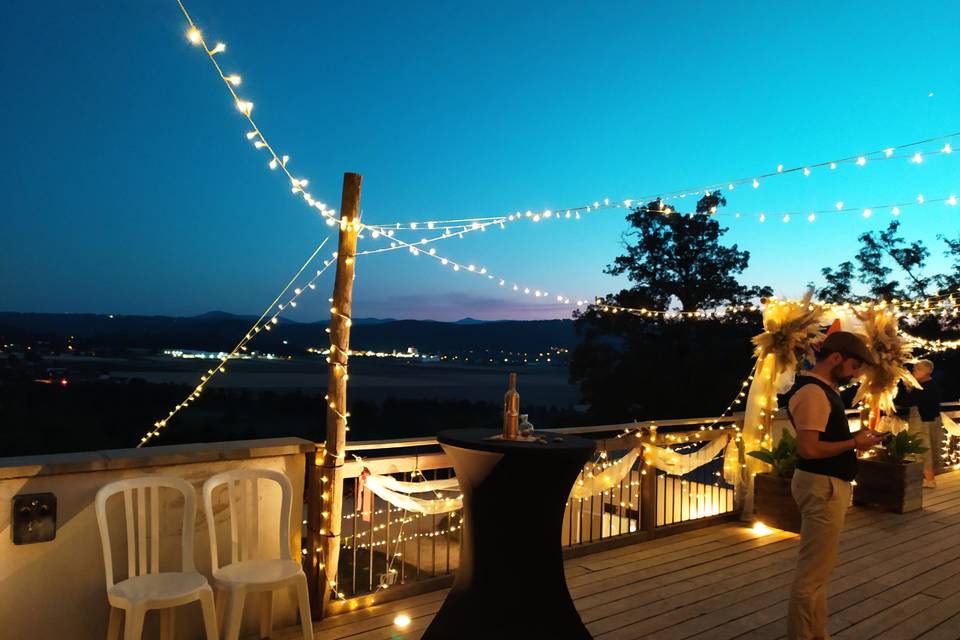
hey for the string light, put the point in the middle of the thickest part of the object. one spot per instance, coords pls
(377, 232)
(246, 108)
(737, 400)
(263, 323)
(861, 160)
(480, 223)
(943, 305)
(840, 207)
(701, 314)
(932, 346)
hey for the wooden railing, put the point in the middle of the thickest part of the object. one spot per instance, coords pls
(387, 552)
(383, 548)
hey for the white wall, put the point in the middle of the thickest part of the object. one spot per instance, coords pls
(56, 590)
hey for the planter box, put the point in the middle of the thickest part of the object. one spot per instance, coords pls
(773, 503)
(889, 486)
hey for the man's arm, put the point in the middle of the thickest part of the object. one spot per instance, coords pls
(811, 447)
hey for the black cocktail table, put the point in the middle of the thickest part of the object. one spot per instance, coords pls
(510, 583)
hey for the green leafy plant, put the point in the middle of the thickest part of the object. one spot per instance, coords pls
(898, 447)
(783, 457)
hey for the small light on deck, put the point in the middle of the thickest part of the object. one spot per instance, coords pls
(761, 529)
(402, 621)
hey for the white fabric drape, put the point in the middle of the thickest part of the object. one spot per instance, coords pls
(397, 493)
(665, 459)
(606, 479)
(425, 486)
(387, 487)
(949, 425)
(679, 464)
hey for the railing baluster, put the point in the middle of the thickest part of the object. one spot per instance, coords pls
(670, 493)
(403, 543)
(386, 549)
(664, 493)
(592, 511)
(580, 522)
(373, 520)
(355, 539)
(419, 550)
(446, 535)
(620, 509)
(433, 539)
(639, 503)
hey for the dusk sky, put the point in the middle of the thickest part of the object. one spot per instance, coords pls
(129, 187)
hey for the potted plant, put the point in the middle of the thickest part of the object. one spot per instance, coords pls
(893, 479)
(773, 502)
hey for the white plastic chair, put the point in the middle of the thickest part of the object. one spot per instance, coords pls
(248, 571)
(146, 587)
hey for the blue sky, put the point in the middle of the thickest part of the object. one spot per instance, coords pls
(129, 186)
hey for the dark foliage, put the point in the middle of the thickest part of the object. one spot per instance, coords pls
(672, 255)
(629, 367)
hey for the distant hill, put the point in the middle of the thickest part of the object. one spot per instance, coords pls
(220, 331)
(373, 320)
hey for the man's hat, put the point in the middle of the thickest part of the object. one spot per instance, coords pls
(849, 344)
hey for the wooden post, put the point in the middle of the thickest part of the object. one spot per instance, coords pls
(334, 451)
(648, 486)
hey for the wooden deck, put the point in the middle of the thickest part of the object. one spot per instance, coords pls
(898, 577)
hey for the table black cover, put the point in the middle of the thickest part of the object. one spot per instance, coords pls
(510, 582)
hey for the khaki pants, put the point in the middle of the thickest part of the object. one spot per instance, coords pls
(823, 502)
(932, 435)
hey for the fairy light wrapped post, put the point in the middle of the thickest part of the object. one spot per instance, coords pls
(326, 496)
(791, 329)
(892, 350)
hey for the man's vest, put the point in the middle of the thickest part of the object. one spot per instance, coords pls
(844, 465)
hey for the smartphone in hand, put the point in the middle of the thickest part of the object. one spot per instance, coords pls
(885, 436)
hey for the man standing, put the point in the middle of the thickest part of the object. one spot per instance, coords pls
(826, 464)
(925, 419)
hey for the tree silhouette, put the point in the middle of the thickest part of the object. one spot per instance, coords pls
(675, 255)
(880, 254)
(950, 281)
(631, 367)
(839, 288)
